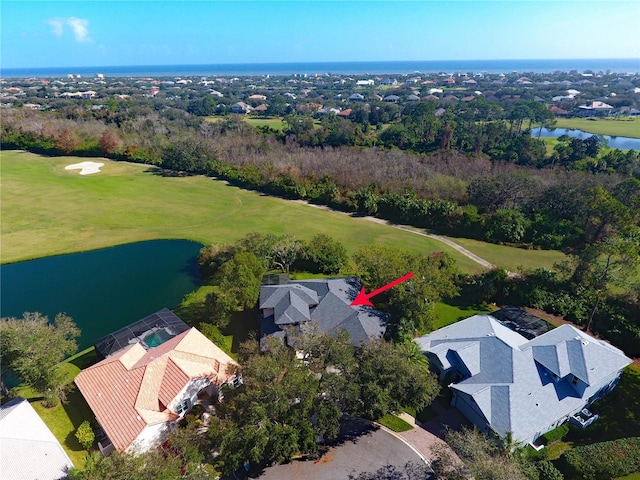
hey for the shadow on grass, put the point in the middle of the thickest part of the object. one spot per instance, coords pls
(243, 326)
(77, 410)
(619, 413)
(84, 359)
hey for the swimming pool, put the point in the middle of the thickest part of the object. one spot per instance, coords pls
(157, 338)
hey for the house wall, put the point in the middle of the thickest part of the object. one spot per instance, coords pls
(190, 391)
(589, 394)
(469, 409)
(595, 392)
(151, 436)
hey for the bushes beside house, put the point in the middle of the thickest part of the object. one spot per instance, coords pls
(602, 461)
(85, 435)
(555, 434)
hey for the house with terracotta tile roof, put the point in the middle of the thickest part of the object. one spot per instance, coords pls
(137, 393)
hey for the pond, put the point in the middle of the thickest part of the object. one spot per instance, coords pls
(623, 143)
(102, 290)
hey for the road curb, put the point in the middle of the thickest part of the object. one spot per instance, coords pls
(395, 434)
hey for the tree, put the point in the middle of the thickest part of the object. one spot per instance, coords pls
(32, 348)
(409, 303)
(277, 412)
(240, 279)
(326, 254)
(410, 471)
(236, 286)
(506, 225)
(482, 457)
(85, 436)
(110, 142)
(67, 141)
(187, 156)
(387, 381)
(285, 251)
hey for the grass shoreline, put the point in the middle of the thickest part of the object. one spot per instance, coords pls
(613, 127)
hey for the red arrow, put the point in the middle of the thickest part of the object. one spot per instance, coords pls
(363, 298)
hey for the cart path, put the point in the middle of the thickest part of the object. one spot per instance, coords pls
(440, 238)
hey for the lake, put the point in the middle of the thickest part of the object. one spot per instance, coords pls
(623, 143)
(102, 290)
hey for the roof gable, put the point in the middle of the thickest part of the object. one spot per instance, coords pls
(325, 303)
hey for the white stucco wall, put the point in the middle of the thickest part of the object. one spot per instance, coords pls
(190, 391)
(151, 436)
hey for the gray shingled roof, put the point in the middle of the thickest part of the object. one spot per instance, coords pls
(510, 379)
(326, 304)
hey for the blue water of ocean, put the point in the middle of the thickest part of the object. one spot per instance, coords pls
(617, 65)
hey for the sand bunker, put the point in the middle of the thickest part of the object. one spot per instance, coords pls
(86, 168)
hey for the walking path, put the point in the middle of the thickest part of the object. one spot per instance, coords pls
(451, 243)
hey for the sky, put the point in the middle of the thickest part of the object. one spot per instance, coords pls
(83, 33)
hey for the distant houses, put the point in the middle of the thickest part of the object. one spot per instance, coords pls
(595, 108)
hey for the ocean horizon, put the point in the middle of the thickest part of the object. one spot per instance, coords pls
(616, 65)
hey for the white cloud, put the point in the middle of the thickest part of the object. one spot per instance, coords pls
(56, 25)
(79, 27)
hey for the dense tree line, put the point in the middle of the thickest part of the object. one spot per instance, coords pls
(482, 194)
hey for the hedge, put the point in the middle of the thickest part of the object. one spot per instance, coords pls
(602, 461)
(555, 434)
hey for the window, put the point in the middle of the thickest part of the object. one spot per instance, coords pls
(574, 380)
(183, 407)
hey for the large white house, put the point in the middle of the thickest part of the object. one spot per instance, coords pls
(138, 392)
(504, 382)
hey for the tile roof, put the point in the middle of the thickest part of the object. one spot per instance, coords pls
(133, 388)
(28, 449)
(510, 378)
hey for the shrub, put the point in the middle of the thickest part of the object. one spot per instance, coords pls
(602, 461)
(555, 434)
(548, 471)
(85, 435)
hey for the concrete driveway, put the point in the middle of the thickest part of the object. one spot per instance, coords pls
(364, 448)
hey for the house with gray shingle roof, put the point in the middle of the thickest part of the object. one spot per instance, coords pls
(503, 382)
(321, 304)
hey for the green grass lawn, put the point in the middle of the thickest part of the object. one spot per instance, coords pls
(65, 418)
(394, 423)
(633, 476)
(603, 126)
(451, 311)
(47, 210)
(619, 417)
(277, 123)
(511, 258)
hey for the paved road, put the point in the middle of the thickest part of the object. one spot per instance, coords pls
(365, 449)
